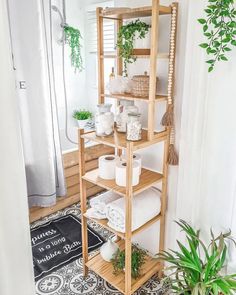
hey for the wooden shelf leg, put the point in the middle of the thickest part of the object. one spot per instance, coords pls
(164, 197)
(128, 218)
(83, 201)
(100, 52)
(153, 68)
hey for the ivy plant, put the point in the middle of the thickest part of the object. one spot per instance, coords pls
(73, 39)
(126, 37)
(219, 27)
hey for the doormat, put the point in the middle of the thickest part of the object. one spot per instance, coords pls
(59, 242)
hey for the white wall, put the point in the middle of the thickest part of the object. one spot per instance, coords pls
(16, 267)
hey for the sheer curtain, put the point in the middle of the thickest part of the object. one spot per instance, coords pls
(37, 105)
(206, 191)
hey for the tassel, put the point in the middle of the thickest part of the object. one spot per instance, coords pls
(168, 118)
(173, 158)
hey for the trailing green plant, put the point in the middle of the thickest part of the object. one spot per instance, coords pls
(137, 260)
(82, 115)
(197, 267)
(219, 27)
(73, 39)
(126, 37)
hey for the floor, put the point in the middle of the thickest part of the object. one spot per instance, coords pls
(69, 279)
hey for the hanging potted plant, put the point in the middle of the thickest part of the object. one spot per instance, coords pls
(197, 269)
(73, 39)
(82, 117)
(126, 38)
(219, 27)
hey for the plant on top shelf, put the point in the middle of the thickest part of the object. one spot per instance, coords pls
(73, 39)
(126, 37)
(137, 260)
(197, 268)
(219, 27)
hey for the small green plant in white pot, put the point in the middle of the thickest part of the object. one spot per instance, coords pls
(82, 117)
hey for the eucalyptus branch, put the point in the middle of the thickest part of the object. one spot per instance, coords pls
(73, 39)
(220, 29)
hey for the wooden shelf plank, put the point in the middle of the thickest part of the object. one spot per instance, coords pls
(105, 270)
(139, 53)
(147, 179)
(127, 13)
(104, 223)
(118, 140)
(134, 98)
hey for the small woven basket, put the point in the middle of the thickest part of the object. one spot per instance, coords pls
(140, 85)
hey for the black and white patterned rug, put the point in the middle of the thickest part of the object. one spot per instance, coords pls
(69, 279)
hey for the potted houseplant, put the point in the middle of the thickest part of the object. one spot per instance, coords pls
(197, 268)
(127, 35)
(82, 117)
(138, 257)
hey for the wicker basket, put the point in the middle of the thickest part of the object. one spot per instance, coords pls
(140, 85)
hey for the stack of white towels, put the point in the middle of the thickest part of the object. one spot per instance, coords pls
(111, 206)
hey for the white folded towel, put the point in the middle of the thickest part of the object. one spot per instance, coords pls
(92, 213)
(100, 202)
(145, 206)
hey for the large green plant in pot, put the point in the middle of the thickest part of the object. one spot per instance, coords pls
(197, 268)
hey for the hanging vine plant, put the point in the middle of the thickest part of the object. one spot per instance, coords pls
(220, 29)
(73, 39)
(126, 37)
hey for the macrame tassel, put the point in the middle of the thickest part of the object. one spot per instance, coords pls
(173, 158)
(168, 118)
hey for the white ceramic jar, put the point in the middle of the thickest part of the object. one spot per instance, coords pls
(134, 127)
(104, 120)
(123, 110)
(108, 250)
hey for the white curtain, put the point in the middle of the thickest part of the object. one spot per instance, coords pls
(37, 103)
(206, 191)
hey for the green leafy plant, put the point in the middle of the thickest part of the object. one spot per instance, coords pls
(126, 37)
(220, 29)
(82, 115)
(197, 268)
(73, 39)
(137, 260)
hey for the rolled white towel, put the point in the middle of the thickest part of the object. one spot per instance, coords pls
(92, 213)
(145, 206)
(100, 202)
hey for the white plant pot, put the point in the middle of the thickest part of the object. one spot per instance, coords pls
(143, 43)
(108, 250)
(82, 123)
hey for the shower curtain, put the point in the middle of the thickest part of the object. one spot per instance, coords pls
(37, 102)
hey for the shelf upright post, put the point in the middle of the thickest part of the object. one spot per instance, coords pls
(100, 53)
(83, 199)
(153, 67)
(171, 78)
(128, 218)
(119, 63)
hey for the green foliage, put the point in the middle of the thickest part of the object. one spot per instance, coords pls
(73, 39)
(137, 260)
(219, 27)
(198, 274)
(82, 115)
(126, 37)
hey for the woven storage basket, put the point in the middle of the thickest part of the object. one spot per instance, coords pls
(140, 85)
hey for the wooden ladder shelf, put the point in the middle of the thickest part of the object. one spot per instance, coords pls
(123, 282)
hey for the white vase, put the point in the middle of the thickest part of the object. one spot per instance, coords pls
(108, 250)
(82, 123)
(143, 43)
